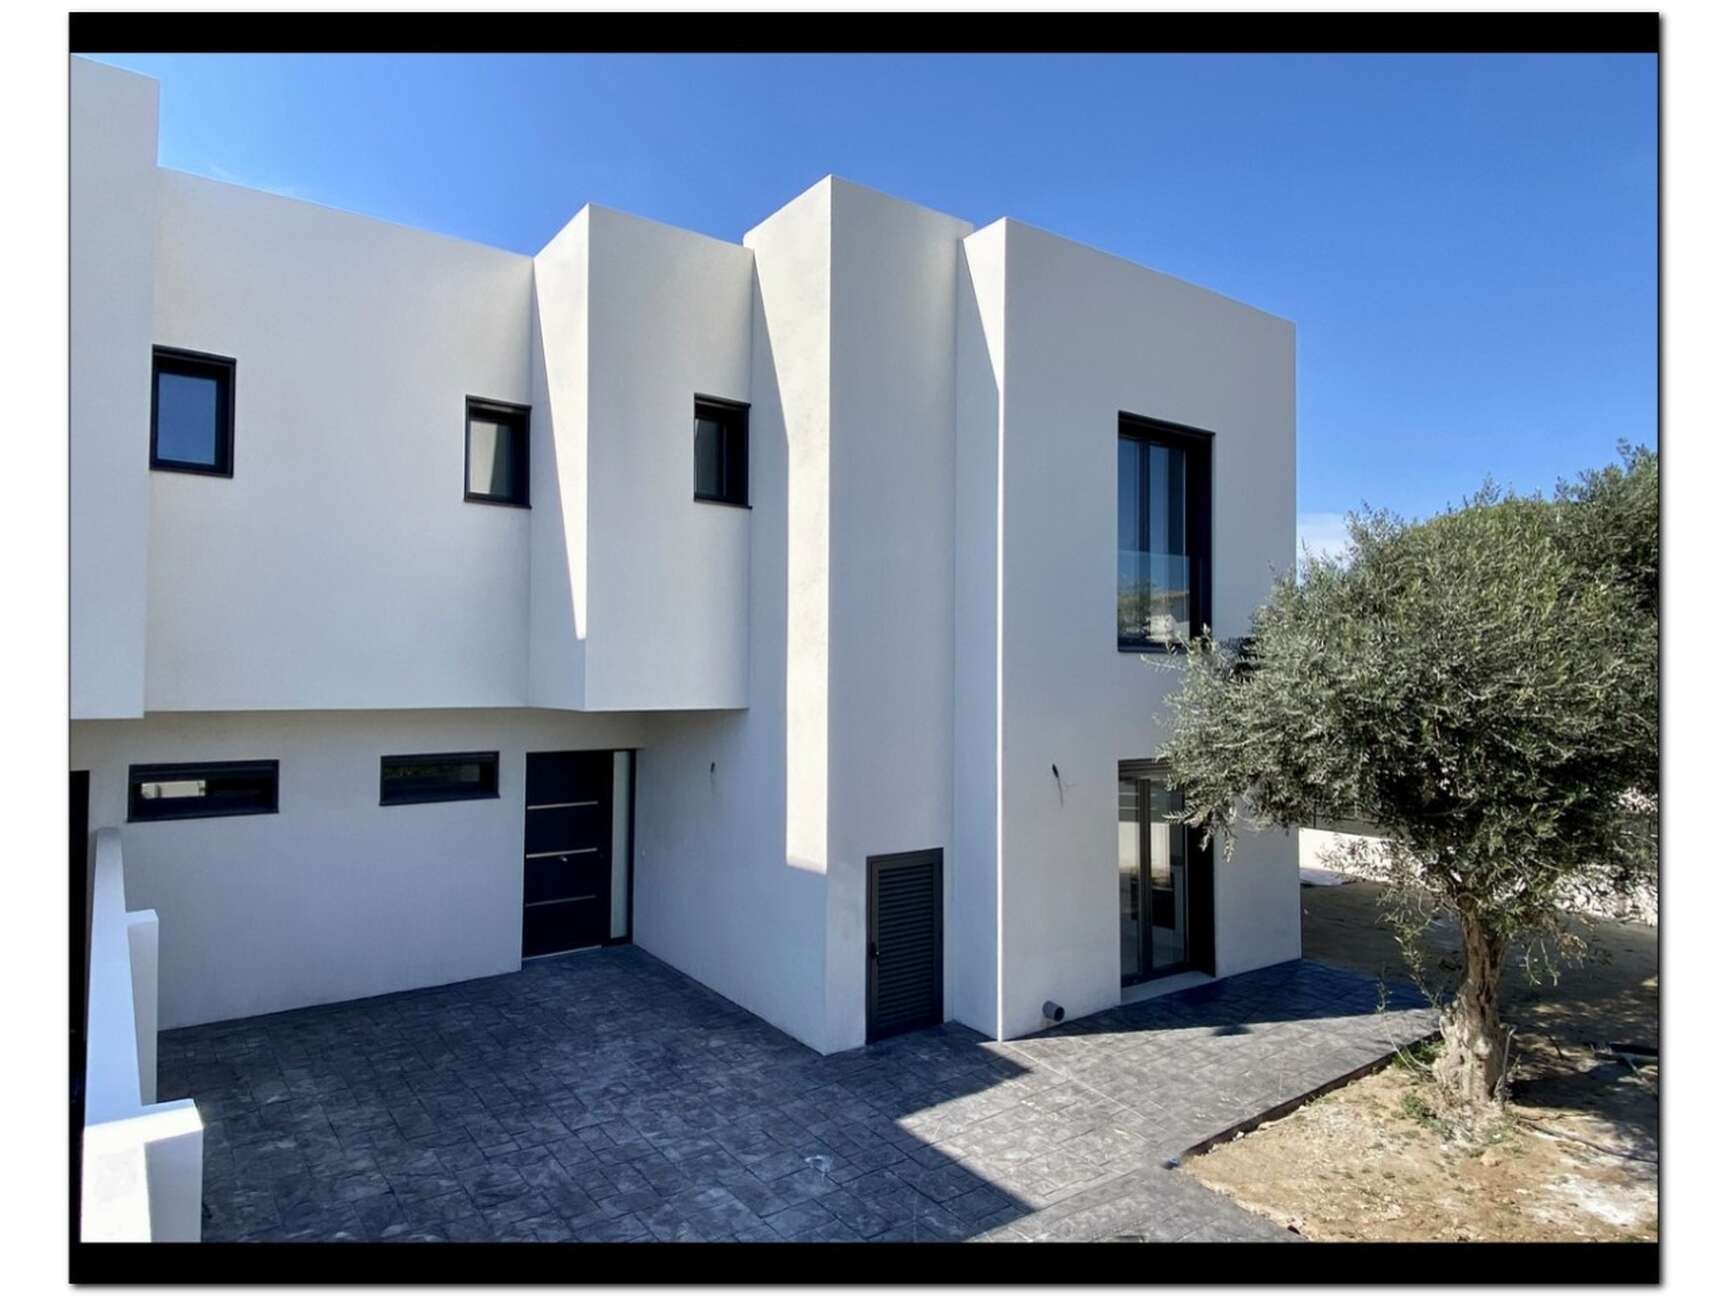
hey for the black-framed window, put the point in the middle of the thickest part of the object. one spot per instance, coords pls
(722, 451)
(496, 470)
(191, 412)
(1164, 878)
(200, 790)
(442, 776)
(1163, 534)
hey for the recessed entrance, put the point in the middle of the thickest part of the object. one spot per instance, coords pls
(1164, 879)
(575, 851)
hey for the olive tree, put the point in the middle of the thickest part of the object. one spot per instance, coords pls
(1480, 687)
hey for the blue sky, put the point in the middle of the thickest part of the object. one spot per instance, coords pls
(1467, 244)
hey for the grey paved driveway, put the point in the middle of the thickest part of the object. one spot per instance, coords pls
(604, 1096)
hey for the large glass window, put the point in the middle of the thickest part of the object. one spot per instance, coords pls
(497, 453)
(191, 413)
(1163, 497)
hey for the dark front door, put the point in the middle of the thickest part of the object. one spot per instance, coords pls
(567, 852)
(903, 978)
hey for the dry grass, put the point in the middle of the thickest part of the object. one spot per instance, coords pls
(1573, 1157)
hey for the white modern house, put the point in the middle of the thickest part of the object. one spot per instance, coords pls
(792, 608)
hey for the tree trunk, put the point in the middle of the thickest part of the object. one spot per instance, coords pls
(1472, 1059)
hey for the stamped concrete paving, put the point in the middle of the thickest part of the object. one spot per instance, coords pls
(604, 1096)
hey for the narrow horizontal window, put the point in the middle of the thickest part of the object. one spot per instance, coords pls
(722, 451)
(201, 791)
(449, 776)
(191, 413)
(497, 455)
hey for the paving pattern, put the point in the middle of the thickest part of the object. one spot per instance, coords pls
(606, 1097)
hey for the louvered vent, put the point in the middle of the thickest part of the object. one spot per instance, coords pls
(906, 935)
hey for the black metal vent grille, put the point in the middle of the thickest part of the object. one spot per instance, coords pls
(905, 980)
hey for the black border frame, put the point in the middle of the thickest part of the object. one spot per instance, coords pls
(1206, 1263)
(198, 364)
(136, 774)
(807, 1264)
(189, 32)
(503, 411)
(485, 758)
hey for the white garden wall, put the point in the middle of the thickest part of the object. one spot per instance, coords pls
(142, 1161)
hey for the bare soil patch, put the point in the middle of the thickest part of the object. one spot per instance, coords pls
(1575, 1157)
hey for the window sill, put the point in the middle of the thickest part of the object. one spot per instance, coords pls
(470, 498)
(197, 470)
(712, 499)
(201, 814)
(438, 798)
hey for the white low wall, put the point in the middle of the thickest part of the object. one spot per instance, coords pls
(1358, 855)
(143, 1172)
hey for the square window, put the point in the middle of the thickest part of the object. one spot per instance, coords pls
(207, 790)
(452, 776)
(722, 451)
(191, 413)
(497, 456)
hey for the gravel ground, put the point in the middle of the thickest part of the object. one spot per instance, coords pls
(1575, 1158)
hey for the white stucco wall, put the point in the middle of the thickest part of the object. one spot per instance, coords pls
(558, 470)
(888, 651)
(732, 808)
(668, 592)
(112, 232)
(974, 882)
(340, 566)
(846, 751)
(335, 897)
(1086, 336)
(890, 559)
(639, 595)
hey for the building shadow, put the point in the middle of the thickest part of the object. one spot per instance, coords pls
(606, 1096)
